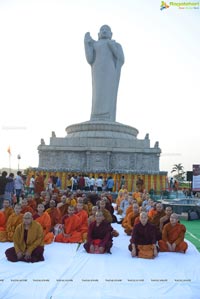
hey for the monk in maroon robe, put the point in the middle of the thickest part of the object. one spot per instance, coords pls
(143, 235)
(99, 239)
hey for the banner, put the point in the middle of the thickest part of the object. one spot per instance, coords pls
(196, 178)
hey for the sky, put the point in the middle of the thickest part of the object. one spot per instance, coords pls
(45, 81)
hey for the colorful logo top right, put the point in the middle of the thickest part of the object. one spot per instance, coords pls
(180, 5)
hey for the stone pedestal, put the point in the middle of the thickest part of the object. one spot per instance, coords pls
(100, 146)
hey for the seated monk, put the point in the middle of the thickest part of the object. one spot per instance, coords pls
(145, 200)
(99, 239)
(83, 215)
(28, 242)
(46, 202)
(41, 197)
(13, 221)
(173, 236)
(32, 202)
(137, 195)
(72, 199)
(63, 205)
(2, 221)
(62, 201)
(143, 239)
(26, 208)
(7, 209)
(137, 219)
(85, 206)
(71, 225)
(45, 221)
(93, 197)
(109, 197)
(110, 208)
(119, 199)
(155, 219)
(166, 218)
(54, 214)
(131, 219)
(125, 203)
(128, 210)
(107, 216)
(151, 208)
(54, 197)
(92, 217)
(87, 202)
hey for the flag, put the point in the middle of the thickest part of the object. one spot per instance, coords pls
(9, 151)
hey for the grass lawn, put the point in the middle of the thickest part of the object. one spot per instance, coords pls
(193, 232)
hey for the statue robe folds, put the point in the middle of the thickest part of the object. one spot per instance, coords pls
(106, 58)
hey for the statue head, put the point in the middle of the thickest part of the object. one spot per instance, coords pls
(105, 32)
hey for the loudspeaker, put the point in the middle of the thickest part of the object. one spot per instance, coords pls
(189, 176)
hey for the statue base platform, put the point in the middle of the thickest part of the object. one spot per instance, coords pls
(100, 146)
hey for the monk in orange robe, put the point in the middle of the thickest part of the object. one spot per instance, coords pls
(152, 210)
(165, 219)
(90, 206)
(32, 202)
(4, 215)
(137, 196)
(2, 221)
(63, 205)
(7, 209)
(45, 221)
(72, 200)
(173, 236)
(119, 199)
(62, 201)
(13, 221)
(131, 219)
(85, 206)
(54, 214)
(71, 226)
(156, 219)
(26, 208)
(128, 210)
(41, 197)
(82, 214)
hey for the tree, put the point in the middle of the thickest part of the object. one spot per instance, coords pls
(179, 169)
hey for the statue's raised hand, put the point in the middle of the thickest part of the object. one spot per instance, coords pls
(88, 38)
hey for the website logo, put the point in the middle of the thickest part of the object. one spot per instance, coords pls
(163, 5)
(180, 5)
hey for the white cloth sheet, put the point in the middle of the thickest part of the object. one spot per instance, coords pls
(67, 273)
